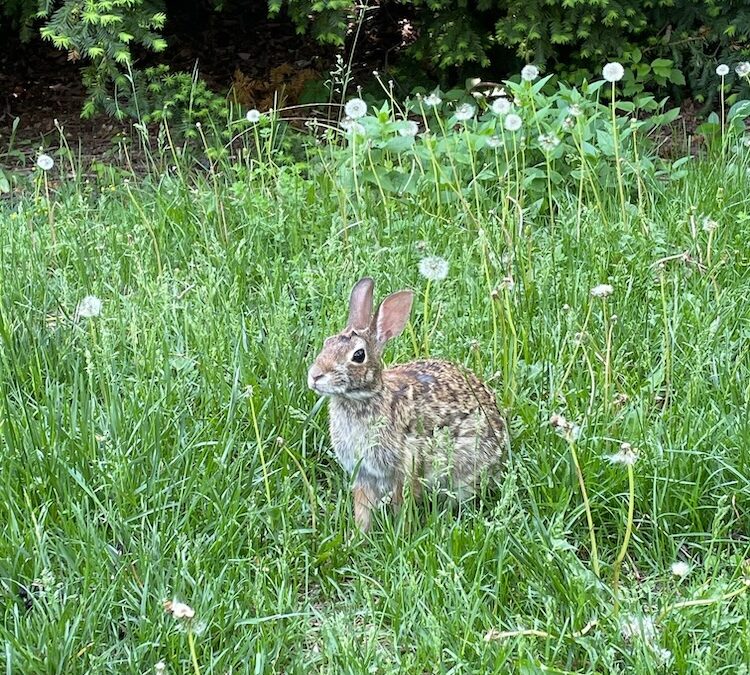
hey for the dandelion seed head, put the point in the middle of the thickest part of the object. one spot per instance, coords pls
(494, 142)
(351, 126)
(513, 122)
(465, 112)
(160, 668)
(179, 610)
(680, 568)
(548, 142)
(88, 307)
(602, 291)
(613, 72)
(432, 100)
(742, 69)
(433, 268)
(570, 431)
(709, 225)
(410, 128)
(253, 116)
(501, 106)
(45, 162)
(355, 108)
(722, 70)
(627, 455)
(664, 656)
(638, 626)
(529, 73)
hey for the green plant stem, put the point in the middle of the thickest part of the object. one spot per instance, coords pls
(193, 655)
(704, 602)
(587, 508)
(618, 166)
(259, 441)
(626, 539)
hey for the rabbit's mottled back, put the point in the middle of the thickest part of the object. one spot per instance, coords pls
(428, 423)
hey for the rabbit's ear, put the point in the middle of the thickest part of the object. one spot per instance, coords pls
(392, 316)
(360, 304)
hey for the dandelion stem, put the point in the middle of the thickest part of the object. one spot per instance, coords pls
(626, 538)
(703, 602)
(587, 508)
(426, 320)
(193, 655)
(618, 167)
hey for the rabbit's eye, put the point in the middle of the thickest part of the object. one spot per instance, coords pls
(359, 356)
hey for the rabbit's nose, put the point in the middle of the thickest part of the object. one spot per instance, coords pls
(313, 375)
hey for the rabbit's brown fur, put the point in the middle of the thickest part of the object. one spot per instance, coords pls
(424, 422)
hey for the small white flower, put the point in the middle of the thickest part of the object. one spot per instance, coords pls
(501, 106)
(722, 69)
(746, 141)
(494, 142)
(575, 110)
(355, 108)
(352, 127)
(548, 142)
(709, 225)
(680, 569)
(253, 116)
(465, 112)
(633, 626)
(433, 268)
(529, 73)
(627, 455)
(568, 124)
(432, 100)
(410, 128)
(602, 291)
(513, 122)
(88, 307)
(742, 69)
(179, 610)
(160, 668)
(45, 162)
(613, 72)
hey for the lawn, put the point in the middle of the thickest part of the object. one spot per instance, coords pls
(164, 445)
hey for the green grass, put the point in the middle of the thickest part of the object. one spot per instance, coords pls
(132, 471)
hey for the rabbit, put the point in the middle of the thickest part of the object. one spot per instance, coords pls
(425, 422)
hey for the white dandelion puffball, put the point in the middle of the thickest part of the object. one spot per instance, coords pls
(410, 128)
(433, 268)
(465, 112)
(45, 162)
(253, 116)
(722, 69)
(179, 610)
(680, 569)
(529, 73)
(352, 127)
(743, 69)
(613, 72)
(548, 142)
(432, 100)
(635, 626)
(602, 291)
(355, 108)
(627, 455)
(160, 668)
(89, 307)
(494, 142)
(501, 106)
(513, 122)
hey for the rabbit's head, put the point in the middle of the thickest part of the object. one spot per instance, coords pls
(349, 365)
